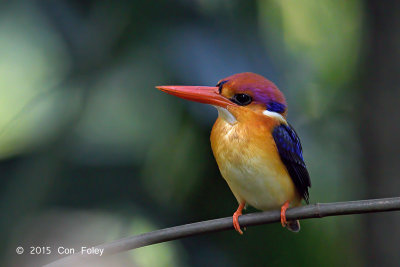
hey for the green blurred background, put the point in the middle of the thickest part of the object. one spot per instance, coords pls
(92, 152)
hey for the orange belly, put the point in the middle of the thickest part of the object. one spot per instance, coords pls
(248, 160)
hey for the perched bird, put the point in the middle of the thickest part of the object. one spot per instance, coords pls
(258, 153)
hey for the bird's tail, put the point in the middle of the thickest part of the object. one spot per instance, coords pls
(293, 226)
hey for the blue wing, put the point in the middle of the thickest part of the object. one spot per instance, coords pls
(291, 153)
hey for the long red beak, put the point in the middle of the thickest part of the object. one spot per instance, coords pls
(202, 94)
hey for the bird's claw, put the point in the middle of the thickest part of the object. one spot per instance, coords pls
(236, 222)
(235, 218)
(283, 213)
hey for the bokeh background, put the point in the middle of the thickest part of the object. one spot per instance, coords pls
(92, 152)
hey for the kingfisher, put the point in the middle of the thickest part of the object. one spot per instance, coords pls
(258, 152)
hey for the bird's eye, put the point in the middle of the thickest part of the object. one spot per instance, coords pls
(241, 99)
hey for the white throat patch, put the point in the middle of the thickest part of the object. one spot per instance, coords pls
(226, 115)
(274, 115)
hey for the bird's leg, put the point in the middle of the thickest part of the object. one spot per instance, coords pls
(235, 218)
(284, 207)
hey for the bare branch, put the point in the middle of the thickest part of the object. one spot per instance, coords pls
(311, 211)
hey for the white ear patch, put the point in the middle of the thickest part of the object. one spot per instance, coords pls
(226, 115)
(274, 115)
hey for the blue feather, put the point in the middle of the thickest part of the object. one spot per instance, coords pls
(276, 107)
(291, 154)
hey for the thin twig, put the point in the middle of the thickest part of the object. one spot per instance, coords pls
(177, 232)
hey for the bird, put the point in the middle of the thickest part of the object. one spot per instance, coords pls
(258, 152)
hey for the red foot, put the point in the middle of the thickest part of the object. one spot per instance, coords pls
(235, 218)
(283, 213)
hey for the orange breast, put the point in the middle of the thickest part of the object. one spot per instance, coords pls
(248, 159)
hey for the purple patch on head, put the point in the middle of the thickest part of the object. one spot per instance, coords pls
(270, 98)
(262, 90)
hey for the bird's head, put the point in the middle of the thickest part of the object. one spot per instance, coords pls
(235, 94)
